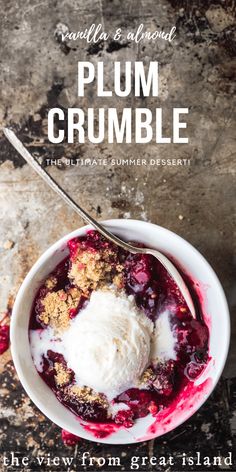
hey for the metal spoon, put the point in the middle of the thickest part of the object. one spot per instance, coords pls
(171, 269)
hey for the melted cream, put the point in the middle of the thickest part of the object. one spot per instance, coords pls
(109, 344)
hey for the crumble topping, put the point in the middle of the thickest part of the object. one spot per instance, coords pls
(63, 375)
(91, 269)
(147, 377)
(86, 394)
(51, 282)
(57, 306)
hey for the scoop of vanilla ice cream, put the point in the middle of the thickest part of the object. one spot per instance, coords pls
(108, 344)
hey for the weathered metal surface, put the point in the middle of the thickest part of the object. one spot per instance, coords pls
(198, 201)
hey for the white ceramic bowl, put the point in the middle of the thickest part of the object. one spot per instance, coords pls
(217, 318)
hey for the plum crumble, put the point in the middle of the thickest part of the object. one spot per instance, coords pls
(139, 283)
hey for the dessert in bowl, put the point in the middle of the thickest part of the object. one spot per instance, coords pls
(110, 335)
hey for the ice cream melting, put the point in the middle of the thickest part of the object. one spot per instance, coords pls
(109, 344)
(110, 338)
(163, 339)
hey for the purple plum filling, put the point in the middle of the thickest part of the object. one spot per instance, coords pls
(93, 262)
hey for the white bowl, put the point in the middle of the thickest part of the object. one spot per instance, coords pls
(217, 319)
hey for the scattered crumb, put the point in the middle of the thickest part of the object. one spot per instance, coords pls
(86, 394)
(181, 217)
(73, 295)
(51, 282)
(147, 376)
(206, 427)
(57, 306)
(8, 244)
(31, 442)
(37, 117)
(63, 375)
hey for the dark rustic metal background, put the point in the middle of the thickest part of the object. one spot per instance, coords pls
(38, 72)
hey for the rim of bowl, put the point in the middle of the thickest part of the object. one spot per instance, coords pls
(118, 224)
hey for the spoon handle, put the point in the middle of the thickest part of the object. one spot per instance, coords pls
(17, 144)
